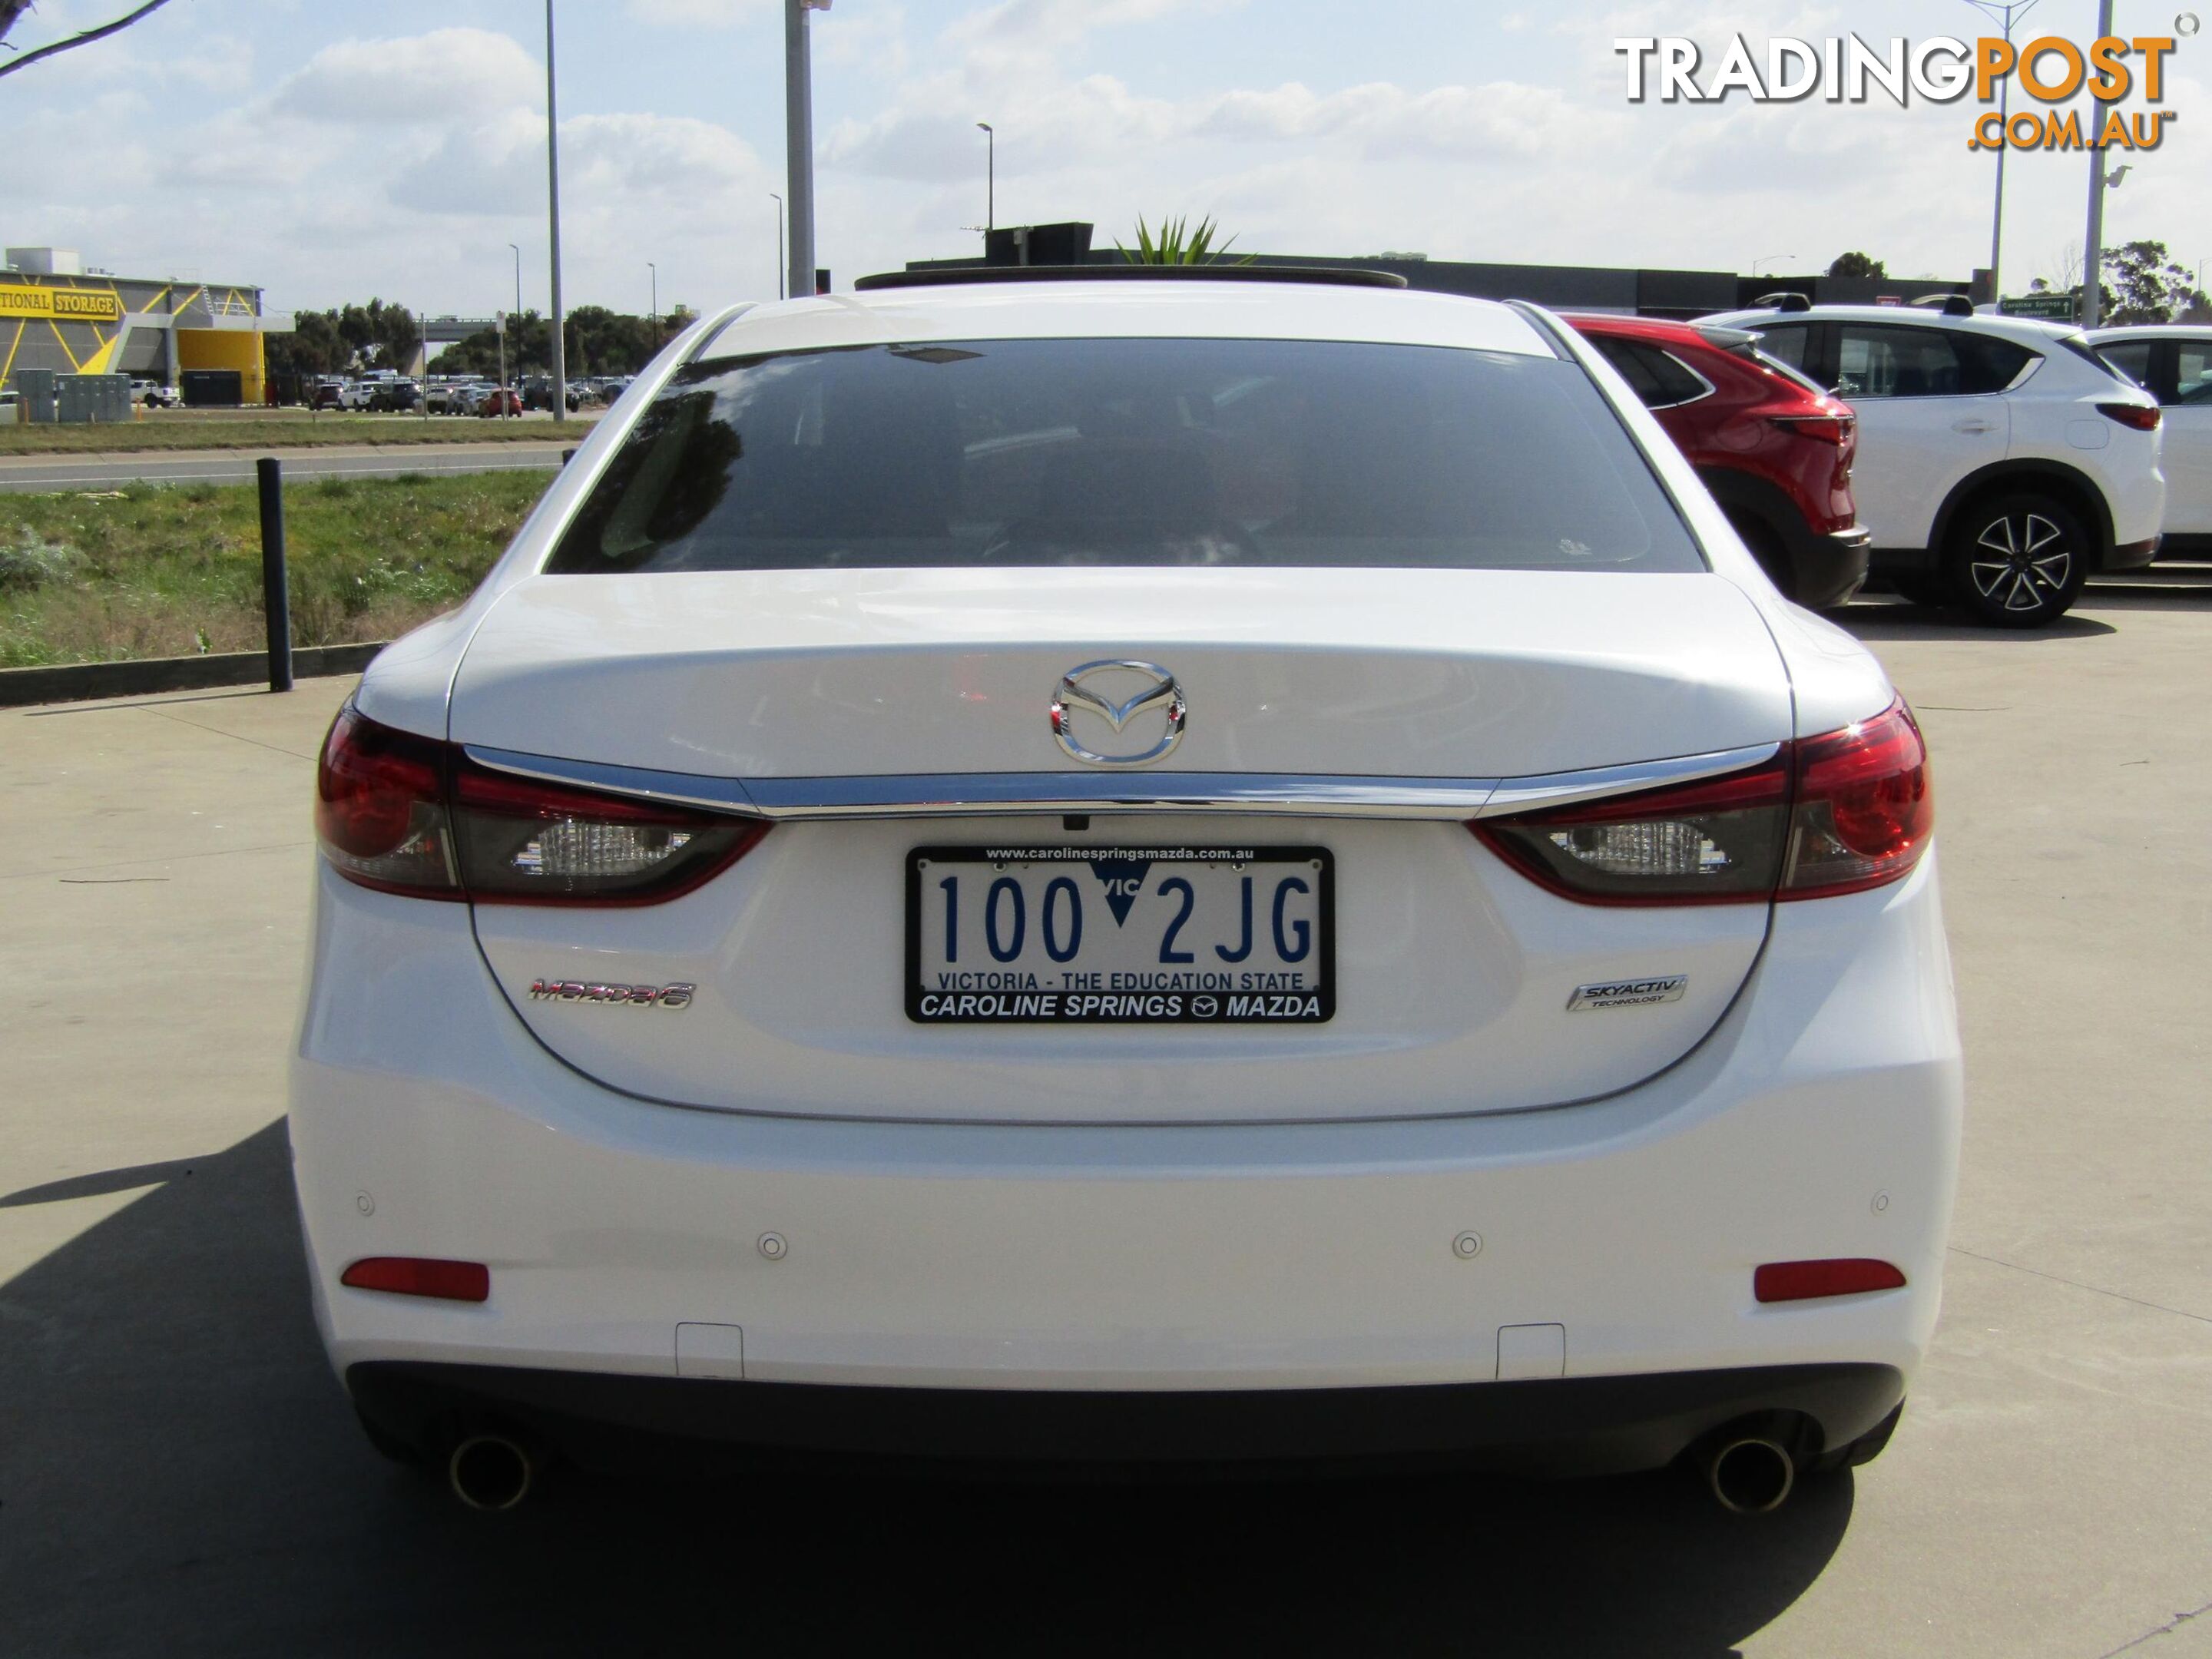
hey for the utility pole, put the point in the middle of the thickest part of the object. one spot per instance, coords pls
(2006, 12)
(799, 142)
(655, 269)
(553, 222)
(2093, 244)
(516, 248)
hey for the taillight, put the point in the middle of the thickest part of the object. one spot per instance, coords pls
(411, 815)
(1833, 814)
(2139, 416)
(416, 1275)
(1828, 429)
(1863, 811)
(1807, 1281)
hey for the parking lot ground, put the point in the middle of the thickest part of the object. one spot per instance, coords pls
(180, 1474)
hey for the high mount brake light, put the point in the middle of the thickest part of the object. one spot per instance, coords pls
(2139, 416)
(1838, 813)
(408, 814)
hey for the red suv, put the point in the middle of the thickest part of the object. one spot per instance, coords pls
(1774, 449)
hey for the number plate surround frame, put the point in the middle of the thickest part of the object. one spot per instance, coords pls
(1193, 1009)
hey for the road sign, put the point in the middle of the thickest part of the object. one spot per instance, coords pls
(2052, 307)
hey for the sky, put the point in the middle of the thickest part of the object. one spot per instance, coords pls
(330, 150)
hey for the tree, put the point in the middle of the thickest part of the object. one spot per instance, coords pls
(596, 341)
(1857, 264)
(374, 336)
(2147, 286)
(12, 10)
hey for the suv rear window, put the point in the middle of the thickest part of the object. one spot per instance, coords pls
(1143, 452)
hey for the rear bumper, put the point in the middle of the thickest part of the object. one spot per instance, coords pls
(1831, 568)
(1573, 1425)
(1820, 1118)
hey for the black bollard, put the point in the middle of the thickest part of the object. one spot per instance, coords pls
(276, 590)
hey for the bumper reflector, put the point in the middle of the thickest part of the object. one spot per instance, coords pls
(1801, 1281)
(415, 1275)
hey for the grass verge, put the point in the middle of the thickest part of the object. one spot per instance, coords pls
(167, 429)
(154, 571)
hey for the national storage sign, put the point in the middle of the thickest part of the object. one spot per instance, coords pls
(60, 305)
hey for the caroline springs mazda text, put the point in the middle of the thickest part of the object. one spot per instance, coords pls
(1172, 866)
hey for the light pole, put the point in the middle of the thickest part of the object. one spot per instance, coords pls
(655, 269)
(1764, 258)
(799, 140)
(780, 273)
(2007, 13)
(517, 249)
(990, 178)
(553, 221)
(2093, 244)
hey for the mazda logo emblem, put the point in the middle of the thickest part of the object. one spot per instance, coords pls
(1158, 690)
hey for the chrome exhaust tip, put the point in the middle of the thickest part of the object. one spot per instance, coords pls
(1750, 1475)
(490, 1472)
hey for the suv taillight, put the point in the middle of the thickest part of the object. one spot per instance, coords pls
(1828, 429)
(1832, 814)
(2139, 416)
(411, 815)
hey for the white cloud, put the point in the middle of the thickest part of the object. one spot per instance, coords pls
(696, 13)
(427, 78)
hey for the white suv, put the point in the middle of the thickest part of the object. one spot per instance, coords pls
(2173, 362)
(2000, 461)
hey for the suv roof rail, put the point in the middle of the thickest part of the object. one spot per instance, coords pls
(1951, 305)
(1333, 275)
(1782, 302)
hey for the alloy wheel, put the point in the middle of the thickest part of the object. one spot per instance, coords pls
(2021, 562)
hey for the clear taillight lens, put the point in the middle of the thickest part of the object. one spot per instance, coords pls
(1833, 814)
(410, 815)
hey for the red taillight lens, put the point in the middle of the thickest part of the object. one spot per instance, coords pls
(2136, 416)
(410, 815)
(1828, 429)
(1864, 809)
(1803, 1281)
(1832, 814)
(380, 808)
(416, 1275)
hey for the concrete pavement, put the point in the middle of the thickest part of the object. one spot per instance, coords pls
(178, 1474)
(47, 474)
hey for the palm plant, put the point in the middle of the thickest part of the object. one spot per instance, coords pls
(1179, 243)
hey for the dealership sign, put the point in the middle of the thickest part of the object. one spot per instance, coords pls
(2050, 69)
(61, 305)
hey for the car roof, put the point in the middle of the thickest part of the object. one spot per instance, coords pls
(2152, 331)
(2028, 330)
(1107, 309)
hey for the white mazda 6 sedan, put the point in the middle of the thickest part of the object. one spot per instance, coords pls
(1141, 864)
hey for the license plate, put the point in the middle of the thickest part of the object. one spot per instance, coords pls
(1120, 935)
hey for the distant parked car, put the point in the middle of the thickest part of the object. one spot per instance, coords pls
(154, 394)
(2174, 365)
(2001, 460)
(327, 394)
(1773, 448)
(500, 400)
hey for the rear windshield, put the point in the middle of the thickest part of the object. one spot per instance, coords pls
(1174, 452)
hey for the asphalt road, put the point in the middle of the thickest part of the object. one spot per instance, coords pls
(180, 1474)
(47, 474)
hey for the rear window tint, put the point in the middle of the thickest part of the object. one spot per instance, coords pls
(1147, 452)
(1659, 379)
(1878, 361)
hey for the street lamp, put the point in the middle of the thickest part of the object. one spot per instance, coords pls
(779, 272)
(517, 250)
(2006, 13)
(1764, 258)
(655, 269)
(990, 178)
